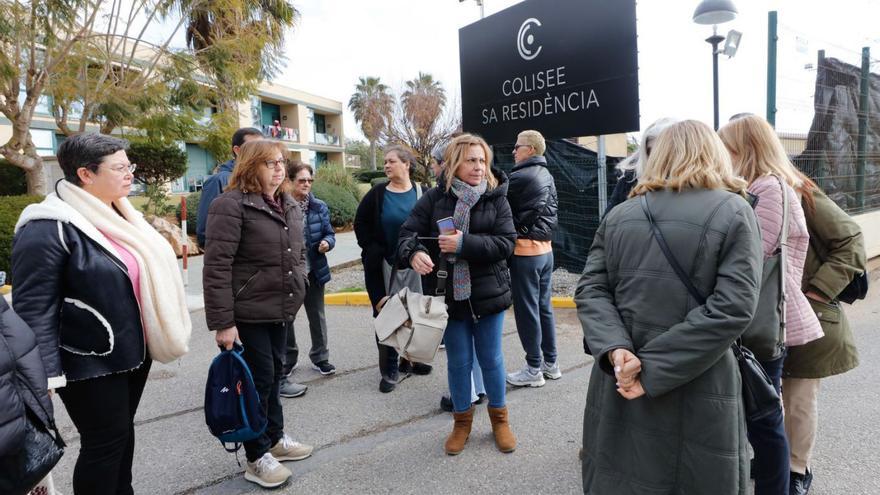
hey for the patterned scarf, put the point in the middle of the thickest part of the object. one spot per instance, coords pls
(468, 196)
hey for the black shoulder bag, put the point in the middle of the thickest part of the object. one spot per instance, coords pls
(759, 394)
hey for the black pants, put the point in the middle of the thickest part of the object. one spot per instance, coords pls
(264, 347)
(388, 361)
(103, 411)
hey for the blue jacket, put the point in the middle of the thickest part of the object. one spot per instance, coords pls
(213, 187)
(318, 229)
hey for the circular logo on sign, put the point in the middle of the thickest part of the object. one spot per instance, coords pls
(525, 41)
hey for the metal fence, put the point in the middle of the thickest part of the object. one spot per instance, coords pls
(825, 104)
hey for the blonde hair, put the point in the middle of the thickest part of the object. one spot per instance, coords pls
(456, 156)
(688, 155)
(756, 151)
(251, 156)
(535, 140)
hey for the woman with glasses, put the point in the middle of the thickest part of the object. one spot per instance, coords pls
(474, 195)
(376, 225)
(101, 289)
(319, 239)
(254, 283)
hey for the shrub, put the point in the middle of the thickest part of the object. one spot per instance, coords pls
(192, 211)
(378, 180)
(338, 176)
(342, 203)
(157, 164)
(366, 176)
(12, 179)
(10, 210)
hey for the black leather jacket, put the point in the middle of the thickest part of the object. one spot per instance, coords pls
(75, 295)
(532, 197)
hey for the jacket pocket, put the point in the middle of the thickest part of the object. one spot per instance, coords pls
(83, 330)
(246, 285)
(502, 274)
(828, 313)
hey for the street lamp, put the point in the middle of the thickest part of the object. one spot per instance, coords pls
(716, 12)
(480, 3)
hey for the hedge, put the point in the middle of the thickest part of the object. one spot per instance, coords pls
(13, 181)
(342, 203)
(10, 210)
(336, 175)
(192, 211)
(367, 176)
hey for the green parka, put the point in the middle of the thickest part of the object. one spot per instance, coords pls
(687, 435)
(839, 241)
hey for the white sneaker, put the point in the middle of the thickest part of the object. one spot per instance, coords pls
(526, 377)
(551, 371)
(287, 449)
(267, 472)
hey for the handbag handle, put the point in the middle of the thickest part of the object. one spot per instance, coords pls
(442, 275)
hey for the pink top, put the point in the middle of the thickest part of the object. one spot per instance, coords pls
(801, 324)
(134, 271)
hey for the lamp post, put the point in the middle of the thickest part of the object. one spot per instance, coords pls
(714, 12)
(480, 3)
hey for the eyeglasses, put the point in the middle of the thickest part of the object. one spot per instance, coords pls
(303, 181)
(271, 164)
(518, 146)
(122, 169)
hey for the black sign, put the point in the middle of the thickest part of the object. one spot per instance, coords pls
(563, 67)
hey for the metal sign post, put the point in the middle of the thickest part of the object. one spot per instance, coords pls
(602, 178)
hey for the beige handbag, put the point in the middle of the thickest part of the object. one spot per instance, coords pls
(413, 323)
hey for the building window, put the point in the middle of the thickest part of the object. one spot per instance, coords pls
(320, 158)
(320, 124)
(44, 141)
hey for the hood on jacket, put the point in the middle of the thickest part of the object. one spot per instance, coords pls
(226, 166)
(537, 160)
(500, 189)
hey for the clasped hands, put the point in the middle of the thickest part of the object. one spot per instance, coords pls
(627, 368)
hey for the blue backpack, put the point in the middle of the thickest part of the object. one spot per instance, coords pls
(233, 411)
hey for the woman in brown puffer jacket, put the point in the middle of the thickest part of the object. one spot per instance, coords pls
(254, 283)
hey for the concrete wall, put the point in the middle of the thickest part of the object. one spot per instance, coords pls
(870, 224)
(615, 144)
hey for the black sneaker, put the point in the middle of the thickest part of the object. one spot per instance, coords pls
(799, 484)
(446, 403)
(480, 399)
(385, 386)
(287, 370)
(324, 367)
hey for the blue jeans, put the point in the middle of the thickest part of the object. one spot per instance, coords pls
(530, 280)
(767, 436)
(464, 339)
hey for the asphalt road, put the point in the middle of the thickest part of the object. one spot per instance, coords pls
(367, 442)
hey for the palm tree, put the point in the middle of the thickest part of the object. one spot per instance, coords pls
(423, 99)
(372, 105)
(238, 42)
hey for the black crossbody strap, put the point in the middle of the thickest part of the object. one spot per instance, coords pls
(661, 241)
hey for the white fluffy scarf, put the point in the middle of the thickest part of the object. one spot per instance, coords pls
(163, 300)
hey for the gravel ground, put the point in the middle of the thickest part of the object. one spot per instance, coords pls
(564, 282)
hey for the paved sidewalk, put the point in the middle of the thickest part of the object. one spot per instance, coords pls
(345, 252)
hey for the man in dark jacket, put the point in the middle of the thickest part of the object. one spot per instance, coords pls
(532, 197)
(215, 184)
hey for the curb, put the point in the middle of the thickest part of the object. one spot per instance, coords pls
(361, 299)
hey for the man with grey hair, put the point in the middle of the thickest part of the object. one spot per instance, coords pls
(532, 197)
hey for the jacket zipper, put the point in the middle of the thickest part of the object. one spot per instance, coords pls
(473, 315)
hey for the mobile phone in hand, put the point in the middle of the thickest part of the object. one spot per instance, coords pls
(446, 226)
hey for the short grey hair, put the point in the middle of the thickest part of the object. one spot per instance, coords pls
(637, 160)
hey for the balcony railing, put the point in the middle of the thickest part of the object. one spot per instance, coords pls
(282, 133)
(328, 139)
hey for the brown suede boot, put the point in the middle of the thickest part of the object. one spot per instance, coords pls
(461, 430)
(504, 439)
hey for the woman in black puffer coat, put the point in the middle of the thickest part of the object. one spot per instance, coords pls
(478, 288)
(22, 381)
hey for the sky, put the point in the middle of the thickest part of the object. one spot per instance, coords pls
(337, 41)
